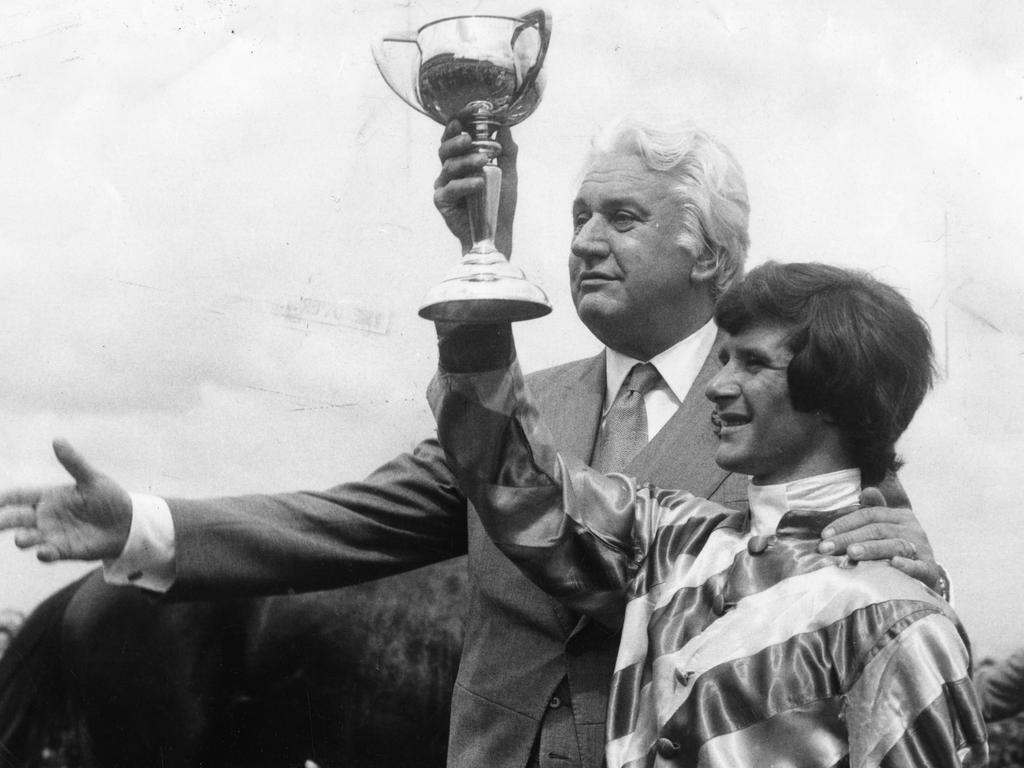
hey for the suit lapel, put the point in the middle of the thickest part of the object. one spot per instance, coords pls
(576, 400)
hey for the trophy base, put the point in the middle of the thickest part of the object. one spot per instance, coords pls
(484, 293)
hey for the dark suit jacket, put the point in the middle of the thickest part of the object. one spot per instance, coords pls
(520, 643)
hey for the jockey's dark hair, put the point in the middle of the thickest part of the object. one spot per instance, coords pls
(861, 354)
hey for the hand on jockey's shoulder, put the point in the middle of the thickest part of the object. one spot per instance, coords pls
(877, 532)
(88, 520)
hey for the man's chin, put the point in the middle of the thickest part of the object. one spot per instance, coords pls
(604, 318)
(730, 463)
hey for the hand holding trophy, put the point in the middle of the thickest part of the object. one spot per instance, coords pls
(486, 72)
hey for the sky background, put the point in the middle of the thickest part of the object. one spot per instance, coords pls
(216, 226)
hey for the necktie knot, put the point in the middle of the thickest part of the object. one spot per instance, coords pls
(642, 378)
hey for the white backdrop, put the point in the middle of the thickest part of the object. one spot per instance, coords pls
(215, 226)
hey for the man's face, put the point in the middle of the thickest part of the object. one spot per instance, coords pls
(630, 278)
(759, 432)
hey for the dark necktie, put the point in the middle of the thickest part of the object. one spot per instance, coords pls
(624, 432)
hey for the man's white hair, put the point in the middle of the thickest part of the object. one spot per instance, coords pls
(712, 190)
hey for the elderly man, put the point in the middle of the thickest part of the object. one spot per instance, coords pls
(647, 260)
(740, 643)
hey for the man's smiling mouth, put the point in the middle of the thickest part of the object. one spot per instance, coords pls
(724, 422)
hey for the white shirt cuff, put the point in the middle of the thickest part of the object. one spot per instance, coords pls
(147, 560)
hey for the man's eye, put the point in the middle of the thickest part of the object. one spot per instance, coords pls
(578, 220)
(623, 220)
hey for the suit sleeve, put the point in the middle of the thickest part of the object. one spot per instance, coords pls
(406, 514)
(576, 533)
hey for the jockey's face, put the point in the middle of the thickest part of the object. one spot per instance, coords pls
(759, 432)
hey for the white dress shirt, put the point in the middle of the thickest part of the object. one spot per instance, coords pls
(678, 366)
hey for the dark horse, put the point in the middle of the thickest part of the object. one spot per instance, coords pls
(105, 677)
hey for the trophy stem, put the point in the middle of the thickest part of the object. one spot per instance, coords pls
(485, 287)
(483, 210)
(478, 117)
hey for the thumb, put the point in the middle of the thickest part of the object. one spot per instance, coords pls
(872, 497)
(72, 461)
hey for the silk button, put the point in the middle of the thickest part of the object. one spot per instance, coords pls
(759, 544)
(666, 747)
(718, 604)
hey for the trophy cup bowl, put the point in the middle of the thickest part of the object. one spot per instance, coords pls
(485, 71)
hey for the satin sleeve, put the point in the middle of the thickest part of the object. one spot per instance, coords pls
(914, 703)
(578, 534)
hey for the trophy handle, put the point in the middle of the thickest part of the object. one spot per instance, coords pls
(540, 19)
(382, 60)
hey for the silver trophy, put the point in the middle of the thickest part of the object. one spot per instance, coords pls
(485, 71)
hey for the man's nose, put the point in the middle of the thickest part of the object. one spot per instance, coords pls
(589, 241)
(722, 386)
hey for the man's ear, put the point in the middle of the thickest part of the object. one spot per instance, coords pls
(705, 266)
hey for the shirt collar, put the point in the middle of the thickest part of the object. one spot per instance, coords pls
(678, 365)
(768, 503)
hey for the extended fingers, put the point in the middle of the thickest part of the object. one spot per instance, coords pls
(28, 537)
(864, 517)
(883, 549)
(17, 516)
(864, 535)
(47, 553)
(20, 497)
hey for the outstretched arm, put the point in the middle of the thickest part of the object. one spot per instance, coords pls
(407, 514)
(89, 520)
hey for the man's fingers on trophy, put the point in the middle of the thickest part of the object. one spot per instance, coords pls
(461, 167)
(456, 190)
(451, 130)
(457, 145)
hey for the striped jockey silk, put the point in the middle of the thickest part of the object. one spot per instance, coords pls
(735, 650)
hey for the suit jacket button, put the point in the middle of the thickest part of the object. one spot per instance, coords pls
(554, 703)
(666, 747)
